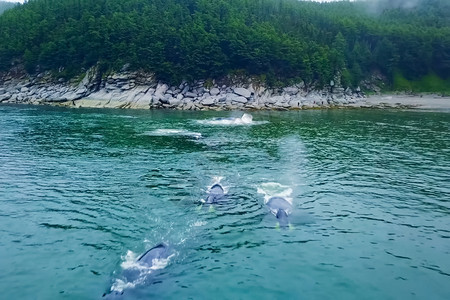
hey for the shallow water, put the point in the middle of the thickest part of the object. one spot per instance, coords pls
(83, 191)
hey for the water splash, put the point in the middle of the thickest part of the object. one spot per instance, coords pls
(245, 119)
(140, 273)
(217, 180)
(199, 223)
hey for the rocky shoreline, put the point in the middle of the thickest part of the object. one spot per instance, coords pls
(141, 91)
(138, 90)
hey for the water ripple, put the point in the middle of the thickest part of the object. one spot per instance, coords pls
(81, 188)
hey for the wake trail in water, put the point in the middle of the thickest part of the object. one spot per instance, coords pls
(173, 132)
(134, 274)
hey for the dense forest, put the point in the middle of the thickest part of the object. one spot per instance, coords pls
(276, 40)
(6, 5)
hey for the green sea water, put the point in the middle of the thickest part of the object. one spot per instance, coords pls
(83, 192)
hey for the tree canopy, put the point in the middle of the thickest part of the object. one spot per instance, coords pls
(199, 39)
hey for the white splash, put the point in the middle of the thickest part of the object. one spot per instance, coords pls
(275, 189)
(173, 132)
(246, 119)
(130, 262)
(161, 263)
(217, 180)
(199, 223)
(119, 285)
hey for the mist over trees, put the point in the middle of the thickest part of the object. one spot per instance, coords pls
(6, 5)
(277, 40)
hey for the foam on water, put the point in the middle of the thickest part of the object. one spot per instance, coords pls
(245, 119)
(119, 285)
(131, 263)
(217, 180)
(173, 132)
(199, 223)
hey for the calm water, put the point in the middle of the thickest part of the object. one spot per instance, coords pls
(83, 192)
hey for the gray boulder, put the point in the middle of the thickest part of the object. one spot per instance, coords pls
(275, 99)
(242, 92)
(214, 91)
(191, 95)
(164, 99)
(161, 89)
(173, 101)
(208, 101)
(5, 97)
(290, 90)
(188, 106)
(185, 90)
(238, 99)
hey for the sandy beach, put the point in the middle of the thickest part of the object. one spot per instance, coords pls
(431, 102)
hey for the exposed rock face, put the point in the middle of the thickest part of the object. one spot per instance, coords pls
(139, 90)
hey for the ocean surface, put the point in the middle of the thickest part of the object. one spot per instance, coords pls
(84, 192)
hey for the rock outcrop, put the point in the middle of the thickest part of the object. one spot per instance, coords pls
(140, 90)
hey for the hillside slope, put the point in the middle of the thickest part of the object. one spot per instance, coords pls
(277, 40)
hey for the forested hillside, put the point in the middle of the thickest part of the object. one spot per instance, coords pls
(277, 40)
(5, 5)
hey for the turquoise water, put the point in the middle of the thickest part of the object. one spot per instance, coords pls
(84, 192)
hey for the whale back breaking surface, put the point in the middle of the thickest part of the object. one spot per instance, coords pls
(281, 208)
(216, 193)
(157, 252)
(279, 203)
(140, 272)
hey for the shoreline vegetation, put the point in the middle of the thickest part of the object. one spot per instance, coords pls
(234, 54)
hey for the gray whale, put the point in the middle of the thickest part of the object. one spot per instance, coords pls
(215, 194)
(160, 251)
(141, 274)
(281, 208)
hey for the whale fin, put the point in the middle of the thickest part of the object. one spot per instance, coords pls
(212, 209)
(291, 227)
